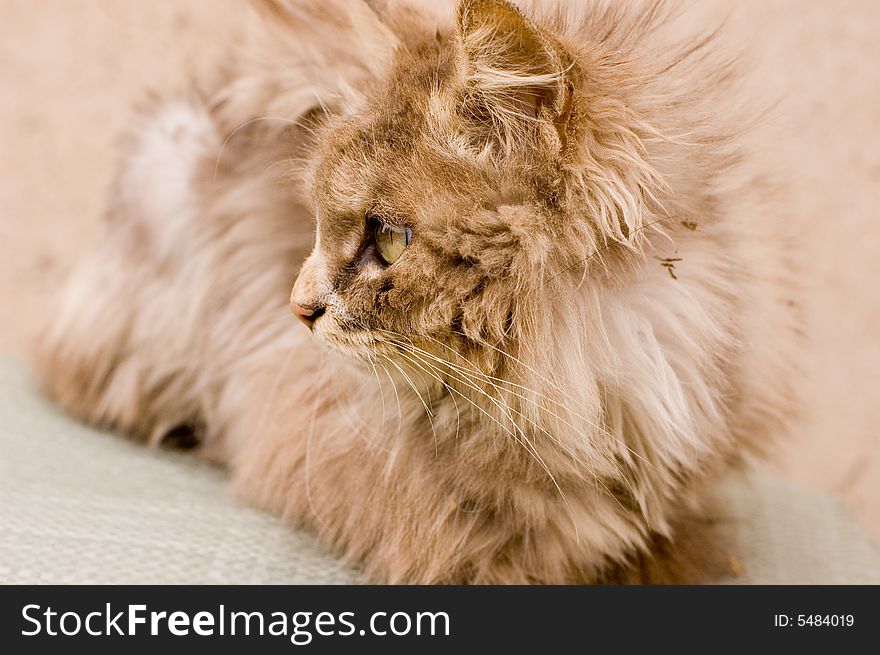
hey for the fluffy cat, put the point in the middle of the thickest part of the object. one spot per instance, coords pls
(547, 296)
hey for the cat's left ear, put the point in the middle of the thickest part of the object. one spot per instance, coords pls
(515, 75)
(325, 50)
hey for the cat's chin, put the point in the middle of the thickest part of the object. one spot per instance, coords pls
(353, 361)
(356, 353)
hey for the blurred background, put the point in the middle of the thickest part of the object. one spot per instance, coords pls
(71, 71)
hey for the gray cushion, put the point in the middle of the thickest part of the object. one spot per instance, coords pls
(81, 506)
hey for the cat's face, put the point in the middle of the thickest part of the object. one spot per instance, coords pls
(441, 203)
(411, 243)
(408, 247)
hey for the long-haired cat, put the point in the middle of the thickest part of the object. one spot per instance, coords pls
(546, 298)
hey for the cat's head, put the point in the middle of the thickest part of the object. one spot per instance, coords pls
(462, 194)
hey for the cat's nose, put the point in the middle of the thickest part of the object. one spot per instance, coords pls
(308, 314)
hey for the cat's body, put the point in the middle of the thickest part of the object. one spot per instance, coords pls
(592, 320)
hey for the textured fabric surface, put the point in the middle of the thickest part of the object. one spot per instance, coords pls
(81, 506)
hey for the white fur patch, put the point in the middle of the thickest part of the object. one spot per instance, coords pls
(157, 183)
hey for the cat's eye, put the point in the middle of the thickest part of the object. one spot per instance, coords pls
(391, 241)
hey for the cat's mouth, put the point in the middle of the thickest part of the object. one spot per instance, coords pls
(367, 348)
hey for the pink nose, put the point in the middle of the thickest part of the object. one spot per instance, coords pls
(308, 314)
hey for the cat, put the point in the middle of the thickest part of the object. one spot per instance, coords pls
(547, 295)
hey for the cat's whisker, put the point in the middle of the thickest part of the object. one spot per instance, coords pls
(553, 438)
(454, 402)
(389, 463)
(547, 411)
(460, 371)
(428, 411)
(568, 450)
(474, 370)
(506, 408)
(493, 400)
(553, 384)
(379, 384)
(522, 438)
(563, 407)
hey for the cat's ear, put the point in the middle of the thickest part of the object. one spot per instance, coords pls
(514, 74)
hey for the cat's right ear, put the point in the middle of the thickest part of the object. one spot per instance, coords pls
(515, 76)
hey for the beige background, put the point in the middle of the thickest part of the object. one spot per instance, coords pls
(70, 71)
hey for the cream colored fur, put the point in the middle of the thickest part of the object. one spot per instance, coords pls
(594, 319)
